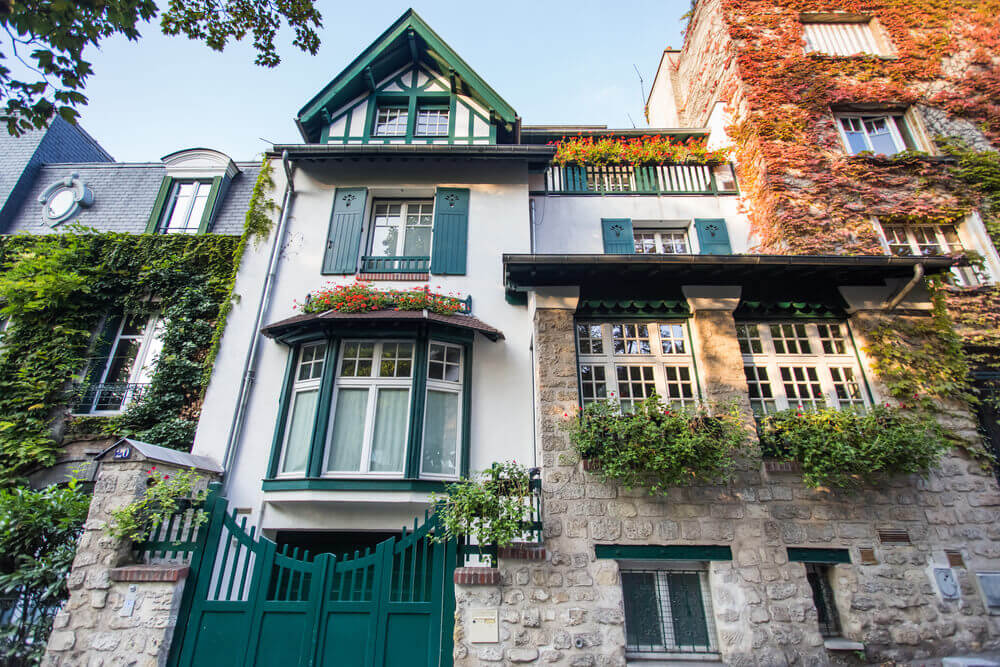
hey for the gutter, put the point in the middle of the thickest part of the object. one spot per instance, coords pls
(900, 294)
(249, 364)
(493, 151)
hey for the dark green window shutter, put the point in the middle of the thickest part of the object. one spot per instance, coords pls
(617, 235)
(451, 231)
(687, 609)
(161, 200)
(713, 238)
(211, 206)
(343, 241)
(642, 610)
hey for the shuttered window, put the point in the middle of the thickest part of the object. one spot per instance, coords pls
(343, 241)
(713, 236)
(668, 611)
(451, 231)
(618, 236)
(840, 38)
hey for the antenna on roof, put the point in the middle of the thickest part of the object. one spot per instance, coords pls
(642, 87)
(630, 119)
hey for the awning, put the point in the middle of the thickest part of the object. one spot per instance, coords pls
(797, 271)
(382, 318)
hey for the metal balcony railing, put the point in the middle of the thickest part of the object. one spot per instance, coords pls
(106, 396)
(676, 179)
(402, 264)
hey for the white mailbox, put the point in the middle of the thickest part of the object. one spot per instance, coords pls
(484, 627)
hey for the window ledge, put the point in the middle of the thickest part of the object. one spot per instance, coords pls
(326, 484)
(841, 644)
(672, 659)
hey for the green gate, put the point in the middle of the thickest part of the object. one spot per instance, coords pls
(247, 602)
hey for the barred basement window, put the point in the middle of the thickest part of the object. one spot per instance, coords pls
(818, 576)
(800, 365)
(630, 361)
(668, 611)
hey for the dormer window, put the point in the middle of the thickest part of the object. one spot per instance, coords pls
(391, 121)
(432, 121)
(185, 207)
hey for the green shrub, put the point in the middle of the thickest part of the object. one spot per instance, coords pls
(658, 447)
(162, 500)
(847, 448)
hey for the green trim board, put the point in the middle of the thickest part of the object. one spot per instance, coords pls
(665, 552)
(161, 200)
(285, 401)
(634, 308)
(807, 555)
(329, 484)
(387, 54)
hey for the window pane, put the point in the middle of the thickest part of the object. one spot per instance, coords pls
(802, 386)
(348, 430)
(630, 338)
(445, 363)
(389, 437)
(645, 243)
(926, 239)
(634, 384)
(818, 577)
(386, 223)
(832, 336)
(847, 387)
(122, 360)
(397, 360)
(589, 336)
(391, 122)
(593, 383)
(432, 122)
(441, 433)
(358, 359)
(672, 339)
(880, 137)
(667, 611)
(790, 339)
(759, 388)
(679, 385)
(899, 244)
(311, 363)
(749, 338)
(642, 611)
(300, 428)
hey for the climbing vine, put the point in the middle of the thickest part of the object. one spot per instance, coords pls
(56, 290)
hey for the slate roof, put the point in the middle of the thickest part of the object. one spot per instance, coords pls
(124, 194)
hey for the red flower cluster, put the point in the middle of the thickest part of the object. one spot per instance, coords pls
(645, 150)
(361, 297)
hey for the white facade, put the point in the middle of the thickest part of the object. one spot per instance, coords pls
(501, 390)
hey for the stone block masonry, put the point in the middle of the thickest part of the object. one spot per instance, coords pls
(117, 614)
(568, 609)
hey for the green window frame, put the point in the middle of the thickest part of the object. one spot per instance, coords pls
(438, 386)
(185, 206)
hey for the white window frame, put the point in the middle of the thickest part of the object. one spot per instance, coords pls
(457, 388)
(872, 47)
(656, 358)
(300, 386)
(663, 237)
(397, 112)
(890, 120)
(403, 227)
(373, 384)
(662, 568)
(965, 276)
(439, 112)
(190, 226)
(825, 363)
(143, 367)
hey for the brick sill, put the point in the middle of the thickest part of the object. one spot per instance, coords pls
(477, 576)
(523, 551)
(149, 573)
(423, 277)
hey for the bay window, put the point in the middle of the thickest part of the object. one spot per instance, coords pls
(630, 361)
(392, 408)
(801, 365)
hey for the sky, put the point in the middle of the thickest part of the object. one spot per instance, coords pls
(555, 62)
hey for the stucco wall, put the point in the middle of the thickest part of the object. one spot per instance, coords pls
(501, 384)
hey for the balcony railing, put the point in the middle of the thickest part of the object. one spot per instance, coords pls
(106, 396)
(402, 264)
(679, 179)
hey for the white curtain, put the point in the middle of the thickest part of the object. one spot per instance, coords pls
(348, 430)
(300, 428)
(389, 438)
(440, 433)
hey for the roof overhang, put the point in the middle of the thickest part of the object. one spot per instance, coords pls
(292, 327)
(408, 40)
(414, 151)
(522, 272)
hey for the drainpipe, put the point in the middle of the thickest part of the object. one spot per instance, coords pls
(897, 298)
(249, 364)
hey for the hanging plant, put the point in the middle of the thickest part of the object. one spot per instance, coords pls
(637, 151)
(491, 507)
(656, 446)
(847, 448)
(360, 297)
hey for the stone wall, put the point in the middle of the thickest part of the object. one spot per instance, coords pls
(568, 609)
(117, 614)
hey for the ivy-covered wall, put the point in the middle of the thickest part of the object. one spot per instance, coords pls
(804, 194)
(56, 289)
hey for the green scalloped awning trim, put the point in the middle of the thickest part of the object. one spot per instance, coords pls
(660, 308)
(755, 309)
